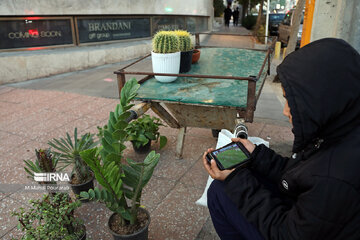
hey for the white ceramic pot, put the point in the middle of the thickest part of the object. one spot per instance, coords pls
(166, 63)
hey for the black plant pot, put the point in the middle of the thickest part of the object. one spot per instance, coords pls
(142, 149)
(83, 187)
(83, 237)
(142, 234)
(185, 61)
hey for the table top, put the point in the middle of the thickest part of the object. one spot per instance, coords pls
(218, 92)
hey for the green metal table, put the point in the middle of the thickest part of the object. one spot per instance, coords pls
(220, 89)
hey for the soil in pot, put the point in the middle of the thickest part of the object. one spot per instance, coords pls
(78, 187)
(142, 149)
(136, 231)
(195, 56)
(185, 61)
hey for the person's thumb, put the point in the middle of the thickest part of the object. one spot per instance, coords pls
(213, 164)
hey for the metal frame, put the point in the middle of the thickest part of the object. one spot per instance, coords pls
(246, 113)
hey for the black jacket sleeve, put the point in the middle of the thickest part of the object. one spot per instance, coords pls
(316, 214)
(268, 163)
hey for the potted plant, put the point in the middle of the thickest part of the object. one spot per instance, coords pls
(68, 152)
(44, 163)
(165, 55)
(186, 49)
(122, 182)
(142, 131)
(195, 56)
(52, 217)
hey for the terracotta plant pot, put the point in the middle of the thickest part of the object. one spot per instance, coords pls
(195, 56)
(142, 234)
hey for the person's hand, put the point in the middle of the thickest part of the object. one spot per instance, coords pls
(247, 144)
(213, 169)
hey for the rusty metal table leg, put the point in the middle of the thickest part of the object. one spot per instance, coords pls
(121, 81)
(180, 142)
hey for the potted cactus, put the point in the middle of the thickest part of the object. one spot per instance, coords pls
(68, 152)
(165, 55)
(186, 49)
(44, 163)
(122, 181)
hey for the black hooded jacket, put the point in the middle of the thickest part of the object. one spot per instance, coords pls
(319, 195)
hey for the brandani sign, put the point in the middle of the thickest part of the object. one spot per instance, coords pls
(51, 177)
(111, 29)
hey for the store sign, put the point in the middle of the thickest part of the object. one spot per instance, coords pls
(34, 32)
(168, 23)
(98, 30)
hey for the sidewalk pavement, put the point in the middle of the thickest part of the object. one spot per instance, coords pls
(36, 111)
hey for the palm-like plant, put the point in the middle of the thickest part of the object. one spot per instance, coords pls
(68, 152)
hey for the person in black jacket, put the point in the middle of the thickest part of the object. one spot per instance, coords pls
(314, 194)
(236, 14)
(227, 15)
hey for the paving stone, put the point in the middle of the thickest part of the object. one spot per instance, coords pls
(156, 191)
(175, 224)
(8, 222)
(95, 216)
(208, 231)
(14, 233)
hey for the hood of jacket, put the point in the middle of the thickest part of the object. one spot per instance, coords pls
(322, 86)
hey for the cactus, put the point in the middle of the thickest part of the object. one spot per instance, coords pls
(45, 159)
(184, 40)
(165, 42)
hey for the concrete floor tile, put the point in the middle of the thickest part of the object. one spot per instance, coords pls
(196, 176)
(95, 216)
(10, 141)
(273, 133)
(8, 222)
(13, 234)
(155, 192)
(208, 231)
(24, 197)
(255, 128)
(175, 224)
(15, 175)
(280, 138)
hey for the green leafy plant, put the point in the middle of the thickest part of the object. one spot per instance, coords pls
(185, 44)
(145, 129)
(50, 218)
(44, 163)
(165, 42)
(249, 22)
(122, 182)
(68, 152)
(218, 8)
